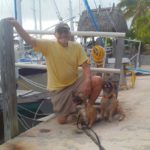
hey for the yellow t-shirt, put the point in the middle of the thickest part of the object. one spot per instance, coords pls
(62, 62)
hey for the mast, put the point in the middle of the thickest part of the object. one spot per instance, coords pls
(18, 17)
(34, 16)
(91, 15)
(40, 15)
(57, 11)
(71, 16)
(17, 11)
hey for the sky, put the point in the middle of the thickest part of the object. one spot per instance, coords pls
(48, 11)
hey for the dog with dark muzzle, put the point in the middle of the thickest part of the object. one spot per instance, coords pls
(109, 103)
(87, 113)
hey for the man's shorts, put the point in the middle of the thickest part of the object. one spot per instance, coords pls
(62, 100)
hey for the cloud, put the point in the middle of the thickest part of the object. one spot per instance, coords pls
(49, 15)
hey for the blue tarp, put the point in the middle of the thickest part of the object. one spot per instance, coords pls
(139, 70)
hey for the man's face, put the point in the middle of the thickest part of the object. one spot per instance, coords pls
(63, 36)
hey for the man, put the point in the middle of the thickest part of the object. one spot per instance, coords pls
(62, 59)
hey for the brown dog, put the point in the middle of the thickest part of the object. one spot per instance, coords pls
(88, 113)
(109, 103)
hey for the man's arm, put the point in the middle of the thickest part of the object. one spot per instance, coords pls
(86, 86)
(28, 39)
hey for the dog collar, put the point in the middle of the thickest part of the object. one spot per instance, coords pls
(108, 97)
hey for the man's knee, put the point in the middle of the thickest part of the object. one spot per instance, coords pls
(97, 81)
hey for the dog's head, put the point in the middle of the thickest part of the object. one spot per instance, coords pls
(108, 87)
(79, 97)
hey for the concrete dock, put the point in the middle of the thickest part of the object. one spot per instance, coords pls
(133, 133)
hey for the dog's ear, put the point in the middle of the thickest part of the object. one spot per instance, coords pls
(115, 87)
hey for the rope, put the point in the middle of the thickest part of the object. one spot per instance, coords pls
(32, 111)
(28, 118)
(87, 130)
(57, 11)
(37, 110)
(98, 53)
(33, 83)
(38, 84)
(23, 85)
(24, 123)
(95, 4)
(29, 92)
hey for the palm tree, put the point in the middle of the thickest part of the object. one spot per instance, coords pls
(142, 28)
(134, 8)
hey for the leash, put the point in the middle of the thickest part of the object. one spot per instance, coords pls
(87, 130)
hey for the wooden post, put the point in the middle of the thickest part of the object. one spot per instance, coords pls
(119, 52)
(8, 80)
(119, 55)
(114, 47)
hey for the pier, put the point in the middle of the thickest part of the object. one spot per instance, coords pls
(130, 134)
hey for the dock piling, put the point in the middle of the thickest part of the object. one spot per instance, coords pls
(8, 80)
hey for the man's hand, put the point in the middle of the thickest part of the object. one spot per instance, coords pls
(12, 21)
(21, 31)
